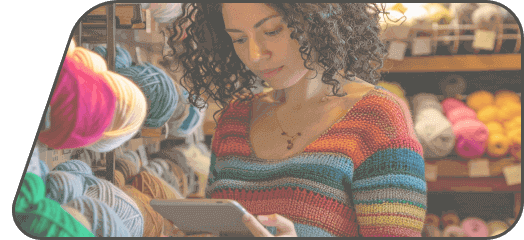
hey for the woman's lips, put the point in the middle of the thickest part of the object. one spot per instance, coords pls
(272, 73)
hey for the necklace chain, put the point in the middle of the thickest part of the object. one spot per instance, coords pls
(298, 134)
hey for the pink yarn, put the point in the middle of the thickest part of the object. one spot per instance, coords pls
(82, 107)
(461, 113)
(451, 103)
(474, 227)
(471, 138)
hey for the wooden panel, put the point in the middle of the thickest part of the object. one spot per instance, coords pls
(123, 12)
(471, 185)
(453, 63)
(459, 167)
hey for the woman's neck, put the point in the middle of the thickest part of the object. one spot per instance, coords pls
(306, 92)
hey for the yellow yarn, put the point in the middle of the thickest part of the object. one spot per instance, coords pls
(504, 96)
(488, 114)
(90, 59)
(498, 144)
(512, 124)
(78, 216)
(514, 136)
(480, 99)
(495, 127)
(508, 111)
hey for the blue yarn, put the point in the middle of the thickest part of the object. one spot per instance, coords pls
(34, 163)
(104, 220)
(44, 170)
(122, 59)
(75, 166)
(159, 90)
(123, 205)
(190, 122)
(63, 186)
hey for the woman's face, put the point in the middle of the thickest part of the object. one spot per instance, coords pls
(262, 41)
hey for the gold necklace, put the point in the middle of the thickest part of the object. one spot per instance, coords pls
(298, 134)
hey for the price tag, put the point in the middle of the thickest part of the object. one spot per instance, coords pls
(431, 172)
(397, 50)
(421, 46)
(512, 174)
(478, 168)
(484, 39)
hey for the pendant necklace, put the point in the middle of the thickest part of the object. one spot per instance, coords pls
(298, 134)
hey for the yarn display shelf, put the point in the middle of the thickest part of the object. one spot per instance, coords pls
(485, 184)
(128, 16)
(455, 63)
(459, 168)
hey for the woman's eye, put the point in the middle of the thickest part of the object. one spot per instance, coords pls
(273, 33)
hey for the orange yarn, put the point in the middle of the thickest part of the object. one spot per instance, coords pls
(181, 177)
(153, 186)
(153, 221)
(126, 167)
(119, 179)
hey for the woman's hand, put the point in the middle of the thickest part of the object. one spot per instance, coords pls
(285, 228)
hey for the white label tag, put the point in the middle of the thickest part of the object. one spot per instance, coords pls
(512, 174)
(484, 39)
(431, 172)
(478, 168)
(421, 46)
(397, 50)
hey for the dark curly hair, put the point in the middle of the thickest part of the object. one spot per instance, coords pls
(345, 36)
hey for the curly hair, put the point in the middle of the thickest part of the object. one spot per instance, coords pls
(344, 36)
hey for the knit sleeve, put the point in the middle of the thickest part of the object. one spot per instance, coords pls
(389, 188)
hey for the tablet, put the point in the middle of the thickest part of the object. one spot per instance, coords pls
(222, 217)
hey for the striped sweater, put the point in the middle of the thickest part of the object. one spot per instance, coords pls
(362, 177)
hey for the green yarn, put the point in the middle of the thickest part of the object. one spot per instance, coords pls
(42, 217)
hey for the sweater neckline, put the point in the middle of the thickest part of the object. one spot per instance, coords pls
(252, 153)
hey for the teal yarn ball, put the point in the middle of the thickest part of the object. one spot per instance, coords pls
(63, 186)
(124, 206)
(159, 89)
(104, 220)
(122, 59)
(74, 166)
(39, 216)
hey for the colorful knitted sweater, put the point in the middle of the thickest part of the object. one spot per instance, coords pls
(362, 177)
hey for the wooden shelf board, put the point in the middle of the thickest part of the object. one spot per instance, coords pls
(455, 63)
(489, 184)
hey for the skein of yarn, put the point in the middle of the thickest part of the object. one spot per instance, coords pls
(153, 186)
(71, 48)
(104, 221)
(502, 97)
(181, 112)
(123, 58)
(432, 219)
(453, 231)
(120, 181)
(74, 166)
(159, 90)
(433, 129)
(498, 145)
(126, 167)
(43, 217)
(450, 219)
(431, 231)
(153, 221)
(475, 227)
(63, 186)
(78, 216)
(90, 59)
(496, 227)
(480, 99)
(82, 107)
(121, 203)
(471, 138)
(453, 85)
(130, 113)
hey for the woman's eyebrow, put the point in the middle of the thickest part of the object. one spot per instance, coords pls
(258, 24)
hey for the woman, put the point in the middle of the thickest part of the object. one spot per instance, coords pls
(305, 162)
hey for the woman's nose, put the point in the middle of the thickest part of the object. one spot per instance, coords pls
(257, 52)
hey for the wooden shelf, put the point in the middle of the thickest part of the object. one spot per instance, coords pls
(488, 184)
(455, 63)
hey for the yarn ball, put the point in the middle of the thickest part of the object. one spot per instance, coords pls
(34, 163)
(129, 115)
(78, 216)
(513, 123)
(514, 136)
(430, 231)
(120, 181)
(480, 99)
(495, 127)
(432, 219)
(123, 58)
(126, 167)
(498, 145)
(453, 231)
(509, 111)
(153, 220)
(44, 169)
(135, 158)
(152, 186)
(42, 217)
(453, 85)
(104, 220)
(178, 158)
(425, 100)
(450, 103)
(475, 227)
(82, 107)
(435, 133)
(166, 173)
(496, 226)
(181, 112)
(461, 113)
(471, 138)
(504, 96)
(488, 114)
(63, 186)
(121, 203)
(74, 166)
(159, 90)
(181, 178)
(89, 59)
